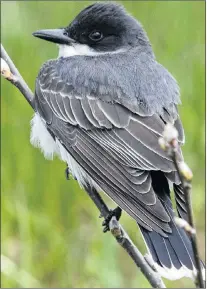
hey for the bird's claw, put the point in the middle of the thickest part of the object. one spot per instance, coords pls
(101, 215)
(67, 173)
(113, 213)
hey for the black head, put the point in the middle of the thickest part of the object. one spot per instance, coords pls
(102, 27)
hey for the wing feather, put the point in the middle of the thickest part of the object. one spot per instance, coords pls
(79, 114)
(87, 110)
(98, 114)
(68, 110)
(118, 115)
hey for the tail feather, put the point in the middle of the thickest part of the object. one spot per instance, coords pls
(160, 249)
(181, 244)
(172, 255)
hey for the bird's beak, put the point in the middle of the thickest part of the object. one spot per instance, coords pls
(58, 36)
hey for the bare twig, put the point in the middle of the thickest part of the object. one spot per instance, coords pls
(15, 77)
(169, 142)
(118, 232)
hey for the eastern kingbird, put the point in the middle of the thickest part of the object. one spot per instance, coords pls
(101, 106)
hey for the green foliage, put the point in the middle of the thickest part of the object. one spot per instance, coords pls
(50, 228)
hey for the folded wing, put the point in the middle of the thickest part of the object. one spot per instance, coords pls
(117, 147)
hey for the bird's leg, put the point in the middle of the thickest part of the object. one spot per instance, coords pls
(113, 213)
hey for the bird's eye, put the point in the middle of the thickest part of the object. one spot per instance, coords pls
(65, 32)
(96, 35)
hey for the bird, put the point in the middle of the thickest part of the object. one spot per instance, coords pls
(101, 107)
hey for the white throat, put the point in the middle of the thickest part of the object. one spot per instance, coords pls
(81, 49)
(75, 49)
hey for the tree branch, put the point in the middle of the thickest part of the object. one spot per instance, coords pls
(15, 77)
(10, 72)
(169, 142)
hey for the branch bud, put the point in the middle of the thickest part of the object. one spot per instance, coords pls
(184, 224)
(162, 143)
(115, 228)
(185, 171)
(5, 70)
(170, 133)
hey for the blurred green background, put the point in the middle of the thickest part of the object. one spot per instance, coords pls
(51, 233)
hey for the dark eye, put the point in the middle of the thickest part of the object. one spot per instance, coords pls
(96, 35)
(65, 32)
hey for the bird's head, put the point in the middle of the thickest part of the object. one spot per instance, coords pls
(99, 28)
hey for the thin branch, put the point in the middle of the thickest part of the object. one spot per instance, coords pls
(117, 231)
(187, 193)
(17, 79)
(169, 142)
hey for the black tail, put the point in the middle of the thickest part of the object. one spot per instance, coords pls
(173, 255)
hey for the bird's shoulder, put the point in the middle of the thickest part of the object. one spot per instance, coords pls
(134, 80)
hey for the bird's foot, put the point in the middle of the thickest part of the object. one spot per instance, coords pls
(67, 173)
(113, 213)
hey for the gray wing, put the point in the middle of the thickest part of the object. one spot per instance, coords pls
(115, 146)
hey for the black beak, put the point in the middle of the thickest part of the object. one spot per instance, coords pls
(58, 36)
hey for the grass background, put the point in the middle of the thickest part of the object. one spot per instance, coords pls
(51, 233)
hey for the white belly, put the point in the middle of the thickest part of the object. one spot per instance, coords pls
(42, 139)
